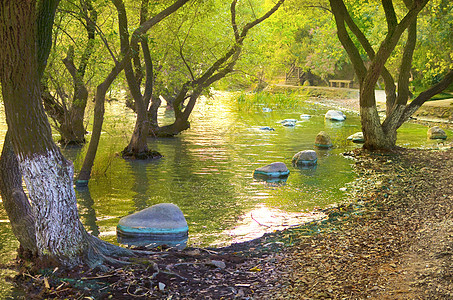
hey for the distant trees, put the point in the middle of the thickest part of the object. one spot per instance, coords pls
(65, 103)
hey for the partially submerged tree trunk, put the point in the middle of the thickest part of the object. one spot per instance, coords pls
(138, 145)
(382, 136)
(193, 88)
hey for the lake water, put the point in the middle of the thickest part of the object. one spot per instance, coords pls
(208, 172)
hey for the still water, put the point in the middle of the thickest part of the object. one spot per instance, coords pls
(208, 172)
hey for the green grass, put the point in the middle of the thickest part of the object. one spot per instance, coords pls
(256, 101)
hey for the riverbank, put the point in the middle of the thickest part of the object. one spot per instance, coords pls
(397, 220)
(393, 241)
(439, 112)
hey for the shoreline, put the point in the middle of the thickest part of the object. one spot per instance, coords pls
(428, 114)
(398, 219)
(367, 247)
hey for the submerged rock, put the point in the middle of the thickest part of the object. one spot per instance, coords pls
(289, 122)
(323, 140)
(335, 115)
(159, 224)
(305, 158)
(275, 181)
(357, 137)
(267, 128)
(276, 169)
(436, 133)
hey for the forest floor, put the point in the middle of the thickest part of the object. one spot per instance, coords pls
(393, 239)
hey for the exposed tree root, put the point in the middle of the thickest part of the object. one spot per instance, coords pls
(101, 254)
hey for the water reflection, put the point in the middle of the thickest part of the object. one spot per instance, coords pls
(264, 219)
(86, 211)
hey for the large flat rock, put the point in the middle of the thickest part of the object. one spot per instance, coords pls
(163, 221)
(276, 169)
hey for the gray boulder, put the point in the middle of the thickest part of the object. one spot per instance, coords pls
(323, 140)
(289, 122)
(305, 158)
(357, 137)
(335, 115)
(276, 169)
(436, 133)
(162, 223)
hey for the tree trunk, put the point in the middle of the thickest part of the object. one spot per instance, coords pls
(99, 110)
(72, 130)
(15, 201)
(375, 137)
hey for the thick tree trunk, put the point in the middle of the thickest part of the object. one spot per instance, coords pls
(15, 201)
(375, 137)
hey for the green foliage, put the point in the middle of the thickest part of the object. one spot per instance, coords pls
(434, 55)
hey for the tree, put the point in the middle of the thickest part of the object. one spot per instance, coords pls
(25, 31)
(138, 145)
(68, 114)
(383, 135)
(202, 75)
(126, 54)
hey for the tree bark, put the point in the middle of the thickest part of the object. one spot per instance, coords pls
(15, 201)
